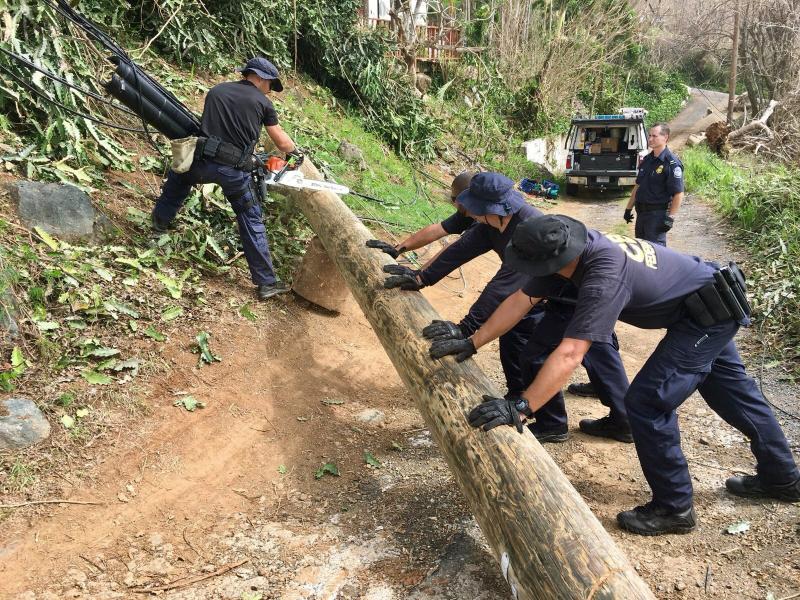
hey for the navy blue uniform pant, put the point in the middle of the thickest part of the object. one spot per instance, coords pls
(650, 226)
(236, 185)
(602, 362)
(512, 345)
(692, 358)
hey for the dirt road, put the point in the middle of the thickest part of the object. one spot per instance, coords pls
(189, 494)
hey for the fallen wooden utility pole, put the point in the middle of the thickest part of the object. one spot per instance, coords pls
(547, 541)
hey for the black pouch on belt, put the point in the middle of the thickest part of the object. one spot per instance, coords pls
(707, 307)
(735, 278)
(728, 296)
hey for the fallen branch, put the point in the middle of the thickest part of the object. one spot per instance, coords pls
(181, 583)
(21, 504)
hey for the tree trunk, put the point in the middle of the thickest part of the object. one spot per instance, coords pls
(547, 541)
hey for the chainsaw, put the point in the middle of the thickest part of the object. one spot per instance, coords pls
(278, 173)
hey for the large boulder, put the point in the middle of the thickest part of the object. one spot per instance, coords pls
(22, 424)
(352, 154)
(59, 209)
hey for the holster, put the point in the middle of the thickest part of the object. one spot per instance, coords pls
(213, 148)
(724, 299)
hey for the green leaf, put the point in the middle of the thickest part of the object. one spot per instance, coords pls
(282, 469)
(206, 355)
(18, 361)
(134, 326)
(326, 469)
(103, 352)
(81, 413)
(47, 325)
(171, 313)
(190, 403)
(113, 305)
(740, 527)
(95, 378)
(152, 333)
(331, 401)
(104, 273)
(371, 460)
(173, 287)
(52, 243)
(248, 314)
(67, 421)
(397, 447)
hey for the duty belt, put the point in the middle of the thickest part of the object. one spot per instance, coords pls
(213, 148)
(647, 207)
(721, 300)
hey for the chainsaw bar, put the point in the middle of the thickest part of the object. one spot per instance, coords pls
(296, 180)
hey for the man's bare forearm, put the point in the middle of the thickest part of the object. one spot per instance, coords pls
(503, 319)
(677, 199)
(555, 372)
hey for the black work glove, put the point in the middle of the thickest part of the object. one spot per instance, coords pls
(296, 154)
(384, 247)
(493, 412)
(628, 215)
(402, 277)
(462, 349)
(668, 223)
(442, 330)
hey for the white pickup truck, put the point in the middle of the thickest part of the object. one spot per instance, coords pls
(604, 151)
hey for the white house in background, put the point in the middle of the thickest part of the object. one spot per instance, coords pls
(378, 10)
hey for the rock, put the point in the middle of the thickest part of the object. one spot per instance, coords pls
(423, 82)
(9, 330)
(22, 424)
(680, 586)
(371, 415)
(352, 154)
(61, 210)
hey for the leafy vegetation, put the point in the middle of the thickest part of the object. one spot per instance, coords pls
(764, 202)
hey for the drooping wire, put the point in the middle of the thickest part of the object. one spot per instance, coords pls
(761, 373)
(54, 77)
(64, 107)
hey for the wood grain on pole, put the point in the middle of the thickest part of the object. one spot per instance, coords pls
(547, 541)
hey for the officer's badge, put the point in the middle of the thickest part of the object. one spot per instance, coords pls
(660, 169)
(678, 172)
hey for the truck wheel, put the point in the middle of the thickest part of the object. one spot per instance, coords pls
(572, 189)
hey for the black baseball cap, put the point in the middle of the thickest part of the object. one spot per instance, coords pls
(264, 69)
(542, 245)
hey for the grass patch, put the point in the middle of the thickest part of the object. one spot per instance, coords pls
(763, 201)
(407, 195)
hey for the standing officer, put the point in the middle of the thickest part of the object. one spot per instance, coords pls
(233, 114)
(652, 287)
(658, 192)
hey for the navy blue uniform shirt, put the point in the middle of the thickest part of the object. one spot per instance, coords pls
(659, 178)
(234, 111)
(623, 278)
(457, 223)
(478, 239)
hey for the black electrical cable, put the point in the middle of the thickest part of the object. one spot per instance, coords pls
(33, 90)
(55, 77)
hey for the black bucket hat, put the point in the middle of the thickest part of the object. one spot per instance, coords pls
(542, 245)
(264, 69)
(491, 194)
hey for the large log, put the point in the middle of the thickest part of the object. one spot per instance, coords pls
(547, 541)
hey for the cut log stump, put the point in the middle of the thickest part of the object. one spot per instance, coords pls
(318, 279)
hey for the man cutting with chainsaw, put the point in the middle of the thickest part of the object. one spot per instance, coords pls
(233, 114)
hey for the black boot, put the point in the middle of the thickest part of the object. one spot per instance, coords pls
(268, 290)
(654, 520)
(582, 389)
(559, 434)
(751, 486)
(607, 427)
